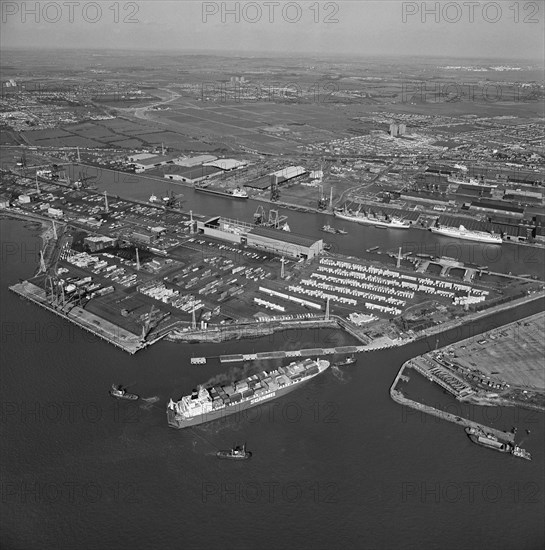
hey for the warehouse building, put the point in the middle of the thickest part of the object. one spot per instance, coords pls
(144, 236)
(274, 241)
(147, 161)
(227, 164)
(493, 207)
(100, 242)
(284, 243)
(287, 173)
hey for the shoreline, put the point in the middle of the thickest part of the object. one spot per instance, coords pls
(229, 332)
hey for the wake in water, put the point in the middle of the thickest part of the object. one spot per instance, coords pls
(340, 375)
(149, 402)
(153, 399)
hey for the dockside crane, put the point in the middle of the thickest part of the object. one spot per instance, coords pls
(152, 319)
(322, 202)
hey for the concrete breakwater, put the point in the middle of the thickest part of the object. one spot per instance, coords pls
(398, 397)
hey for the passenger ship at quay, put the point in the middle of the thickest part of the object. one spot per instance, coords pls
(207, 404)
(467, 234)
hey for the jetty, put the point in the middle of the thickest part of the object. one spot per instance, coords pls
(398, 397)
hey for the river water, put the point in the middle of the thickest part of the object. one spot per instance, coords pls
(337, 463)
(503, 258)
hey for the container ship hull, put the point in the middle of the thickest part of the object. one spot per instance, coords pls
(177, 419)
(478, 236)
(370, 221)
(221, 193)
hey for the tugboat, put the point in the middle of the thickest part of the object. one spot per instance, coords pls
(236, 453)
(342, 232)
(348, 361)
(121, 393)
(328, 229)
(521, 453)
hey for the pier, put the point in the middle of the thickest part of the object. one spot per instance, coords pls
(398, 397)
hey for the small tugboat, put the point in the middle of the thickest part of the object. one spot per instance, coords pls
(342, 232)
(236, 453)
(348, 361)
(328, 229)
(121, 393)
(521, 453)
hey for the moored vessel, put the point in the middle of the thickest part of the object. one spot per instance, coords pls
(237, 193)
(207, 404)
(472, 182)
(462, 233)
(118, 391)
(480, 437)
(362, 217)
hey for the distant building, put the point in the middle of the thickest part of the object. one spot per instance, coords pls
(287, 173)
(144, 236)
(55, 213)
(99, 242)
(159, 230)
(226, 164)
(275, 241)
(195, 161)
(284, 243)
(147, 161)
(192, 174)
(497, 208)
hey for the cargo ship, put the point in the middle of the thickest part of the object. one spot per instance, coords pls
(472, 182)
(237, 193)
(488, 440)
(362, 217)
(467, 234)
(207, 404)
(480, 437)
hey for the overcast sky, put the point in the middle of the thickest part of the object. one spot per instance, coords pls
(502, 30)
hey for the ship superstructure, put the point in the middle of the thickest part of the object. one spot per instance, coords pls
(207, 404)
